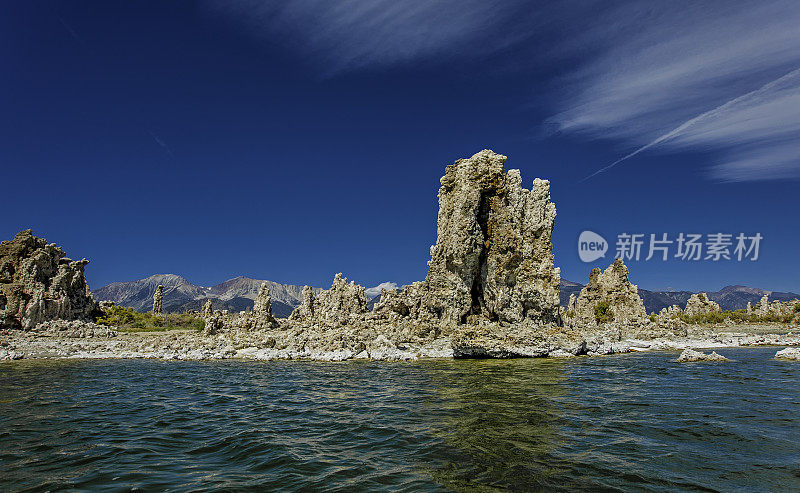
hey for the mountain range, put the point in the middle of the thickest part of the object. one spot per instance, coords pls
(729, 298)
(235, 294)
(238, 294)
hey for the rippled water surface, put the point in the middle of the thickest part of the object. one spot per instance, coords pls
(630, 422)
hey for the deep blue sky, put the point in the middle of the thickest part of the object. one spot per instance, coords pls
(216, 139)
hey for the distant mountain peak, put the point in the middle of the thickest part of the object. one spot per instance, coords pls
(235, 294)
(732, 297)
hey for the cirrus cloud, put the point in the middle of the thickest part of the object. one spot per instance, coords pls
(718, 76)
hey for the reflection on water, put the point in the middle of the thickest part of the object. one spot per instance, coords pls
(630, 422)
(498, 422)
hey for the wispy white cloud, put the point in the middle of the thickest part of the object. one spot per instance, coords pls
(349, 34)
(686, 74)
(70, 30)
(720, 76)
(376, 290)
(158, 140)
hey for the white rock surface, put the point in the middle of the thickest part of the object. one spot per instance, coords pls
(791, 353)
(689, 355)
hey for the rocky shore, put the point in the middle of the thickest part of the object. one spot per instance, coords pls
(86, 340)
(491, 291)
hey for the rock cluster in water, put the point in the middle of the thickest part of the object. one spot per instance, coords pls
(689, 355)
(38, 283)
(790, 353)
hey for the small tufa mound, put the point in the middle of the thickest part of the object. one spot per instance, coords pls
(38, 283)
(609, 297)
(700, 304)
(790, 353)
(689, 355)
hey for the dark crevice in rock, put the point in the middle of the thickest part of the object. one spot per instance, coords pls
(477, 290)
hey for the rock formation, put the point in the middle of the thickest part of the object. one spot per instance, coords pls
(262, 309)
(38, 283)
(344, 302)
(689, 355)
(762, 308)
(608, 298)
(213, 324)
(407, 304)
(207, 310)
(158, 298)
(777, 309)
(790, 353)
(669, 318)
(493, 257)
(491, 283)
(670, 312)
(304, 312)
(699, 304)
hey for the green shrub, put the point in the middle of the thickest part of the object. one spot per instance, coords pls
(603, 313)
(797, 307)
(737, 316)
(128, 319)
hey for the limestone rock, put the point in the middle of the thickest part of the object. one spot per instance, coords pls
(689, 355)
(344, 302)
(158, 298)
(207, 310)
(213, 324)
(669, 318)
(74, 329)
(776, 309)
(9, 353)
(304, 312)
(491, 283)
(525, 340)
(406, 303)
(38, 283)
(671, 312)
(699, 304)
(608, 298)
(262, 309)
(791, 353)
(493, 257)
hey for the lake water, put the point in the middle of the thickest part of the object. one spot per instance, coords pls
(627, 422)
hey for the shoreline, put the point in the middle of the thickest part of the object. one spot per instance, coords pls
(185, 346)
